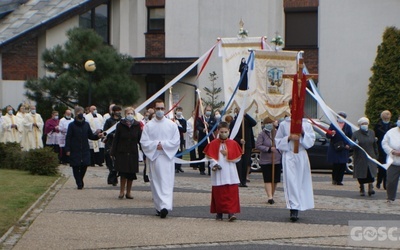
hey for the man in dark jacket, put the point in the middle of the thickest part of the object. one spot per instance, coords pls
(112, 178)
(203, 125)
(77, 145)
(246, 139)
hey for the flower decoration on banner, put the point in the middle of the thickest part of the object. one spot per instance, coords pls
(278, 41)
(242, 32)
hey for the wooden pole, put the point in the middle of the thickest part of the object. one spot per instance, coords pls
(273, 133)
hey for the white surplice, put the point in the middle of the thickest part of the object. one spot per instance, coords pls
(297, 182)
(96, 123)
(32, 135)
(228, 174)
(161, 162)
(63, 127)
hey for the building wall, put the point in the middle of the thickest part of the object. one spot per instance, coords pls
(349, 34)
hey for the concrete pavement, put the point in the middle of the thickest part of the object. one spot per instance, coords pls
(94, 218)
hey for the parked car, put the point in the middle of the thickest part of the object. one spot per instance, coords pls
(317, 154)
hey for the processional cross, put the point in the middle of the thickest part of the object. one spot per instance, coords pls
(298, 99)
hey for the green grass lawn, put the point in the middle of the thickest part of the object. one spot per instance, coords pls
(18, 191)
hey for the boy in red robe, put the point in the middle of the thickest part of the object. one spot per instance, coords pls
(223, 154)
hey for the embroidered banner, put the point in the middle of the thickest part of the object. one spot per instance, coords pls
(267, 89)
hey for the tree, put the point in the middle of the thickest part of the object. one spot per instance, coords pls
(384, 86)
(212, 93)
(67, 82)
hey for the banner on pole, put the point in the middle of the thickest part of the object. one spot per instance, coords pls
(268, 90)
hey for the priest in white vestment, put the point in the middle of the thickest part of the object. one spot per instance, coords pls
(96, 123)
(33, 130)
(160, 141)
(12, 127)
(297, 182)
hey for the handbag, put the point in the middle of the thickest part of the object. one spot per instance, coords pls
(339, 146)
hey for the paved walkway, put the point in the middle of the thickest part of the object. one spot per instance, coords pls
(94, 218)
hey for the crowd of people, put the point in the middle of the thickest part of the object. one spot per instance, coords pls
(122, 138)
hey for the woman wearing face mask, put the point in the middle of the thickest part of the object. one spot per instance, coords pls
(269, 157)
(364, 169)
(338, 150)
(125, 151)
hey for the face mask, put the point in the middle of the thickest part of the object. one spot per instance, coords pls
(146, 118)
(56, 117)
(364, 127)
(208, 113)
(223, 135)
(398, 123)
(129, 117)
(94, 112)
(386, 122)
(179, 114)
(118, 114)
(160, 113)
(340, 120)
(268, 126)
(67, 117)
(217, 117)
(10, 112)
(80, 116)
(33, 111)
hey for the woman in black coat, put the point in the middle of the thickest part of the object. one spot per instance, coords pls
(77, 145)
(125, 151)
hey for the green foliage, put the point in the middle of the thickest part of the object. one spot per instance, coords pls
(67, 81)
(212, 93)
(384, 86)
(41, 161)
(11, 156)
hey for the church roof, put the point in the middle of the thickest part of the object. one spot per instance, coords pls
(24, 19)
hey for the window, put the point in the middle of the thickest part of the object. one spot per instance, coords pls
(98, 20)
(155, 19)
(301, 26)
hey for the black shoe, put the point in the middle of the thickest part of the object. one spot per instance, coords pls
(180, 170)
(157, 213)
(271, 201)
(294, 215)
(163, 213)
(129, 197)
(339, 184)
(176, 171)
(120, 196)
(378, 185)
(202, 173)
(243, 185)
(218, 217)
(231, 217)
(333, 182)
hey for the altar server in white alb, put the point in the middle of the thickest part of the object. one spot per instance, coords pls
(297, 182)
(160, 141)
(33, 130)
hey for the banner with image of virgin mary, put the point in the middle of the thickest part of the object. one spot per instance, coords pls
(268, 92)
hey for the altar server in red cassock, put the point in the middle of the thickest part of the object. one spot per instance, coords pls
(223, 154)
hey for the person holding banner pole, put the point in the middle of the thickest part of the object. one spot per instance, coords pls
(244, 137)
(296, 166)
(270, 158)
(203, 124)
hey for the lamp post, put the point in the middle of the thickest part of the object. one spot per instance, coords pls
(90, 67)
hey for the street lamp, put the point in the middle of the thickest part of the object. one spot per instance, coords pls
(90, 67)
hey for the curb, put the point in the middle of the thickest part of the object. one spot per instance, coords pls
(30, 209)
